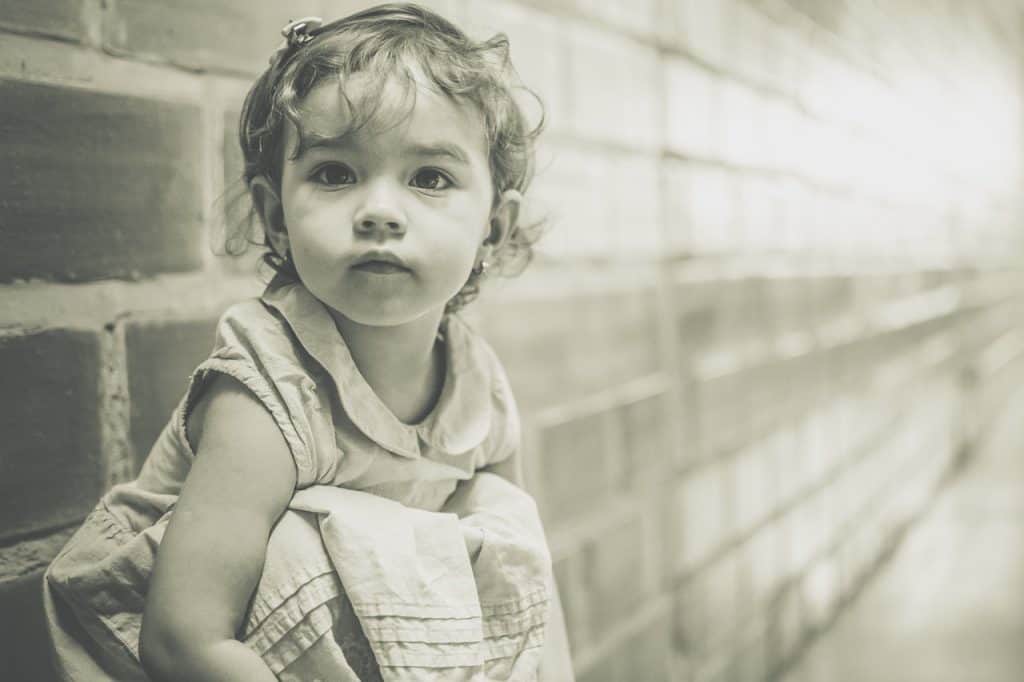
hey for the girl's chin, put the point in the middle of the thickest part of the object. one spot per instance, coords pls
(385, 314)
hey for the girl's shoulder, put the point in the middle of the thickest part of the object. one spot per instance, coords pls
(470, 348)
(475, 358)
(480, 354)
(255, 346)
(252, 321)
(256, 334)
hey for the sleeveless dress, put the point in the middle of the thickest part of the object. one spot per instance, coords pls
(354, 460)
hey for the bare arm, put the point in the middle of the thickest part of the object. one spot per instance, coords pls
(510, 468)
(212, 553)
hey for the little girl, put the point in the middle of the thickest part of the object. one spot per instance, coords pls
(338, 494)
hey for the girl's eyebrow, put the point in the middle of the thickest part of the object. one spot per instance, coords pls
(316, 141)
(448, 150)
(443, 149)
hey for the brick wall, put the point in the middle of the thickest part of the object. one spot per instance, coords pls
(779, 300)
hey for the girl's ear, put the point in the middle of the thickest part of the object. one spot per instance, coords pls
(268, 205)
(504, 216)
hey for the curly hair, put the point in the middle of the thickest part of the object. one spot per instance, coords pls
(386, 41)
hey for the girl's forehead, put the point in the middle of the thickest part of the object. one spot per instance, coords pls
(362, 111)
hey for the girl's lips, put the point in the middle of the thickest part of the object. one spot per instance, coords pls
(380, 267)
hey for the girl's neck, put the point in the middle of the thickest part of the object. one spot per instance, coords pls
(403, 364)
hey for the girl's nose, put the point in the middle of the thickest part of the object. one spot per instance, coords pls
(379, 219)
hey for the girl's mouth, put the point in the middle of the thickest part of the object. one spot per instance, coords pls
(380, 267)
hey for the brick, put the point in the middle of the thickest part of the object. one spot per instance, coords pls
(644, 655)
(613, 85)
(793, 463)
(594, 341)
(814, 156)
(614, 566)
(706, 610)
(829, 297)
(25, 654)
(698, 315)
(636, 206)
(107, 185)
(689, 424)
(568, 578)
(819, 437)
(820, 592)
(841, 502)
(647, 439)
(702, 28)
(663, 537)
(678, 227)
(748, 52)
(591, 212)
(234, 163)
(702, 510)
(720, 585)
(554, 6)
(717, 668)
(53, 469)
(743, 142)
(570, 192)
(602, 670)
(693, 124)
(786, 631)
(617, 347)
(536, 356)
(777, 449)
(449, 9)
(762, 556)
(722, 414)
(574, 465)
(772, 394)
(538, 50)
(815, 93)
(749, 661)
(161, 356)
(641, 18)
(219, 35)
(804, 532)
(239, 221)
(753, 476)
(795, 198)
(573, 347)
(710, 198)
(760, 213)
(780, 131)
(58, 18)
(744, 323)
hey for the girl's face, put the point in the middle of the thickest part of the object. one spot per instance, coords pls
(384, 224)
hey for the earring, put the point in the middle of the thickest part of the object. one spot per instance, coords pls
(480, 268)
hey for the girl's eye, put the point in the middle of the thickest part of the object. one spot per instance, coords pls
(431, 178)
(334, 174)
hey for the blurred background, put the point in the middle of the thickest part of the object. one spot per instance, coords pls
(769, 355)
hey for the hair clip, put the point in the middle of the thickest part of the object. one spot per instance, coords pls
(296, 33)
(480, 268)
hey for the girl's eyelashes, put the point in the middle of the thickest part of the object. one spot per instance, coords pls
(336, 174)
(431, 179)
(333, 175)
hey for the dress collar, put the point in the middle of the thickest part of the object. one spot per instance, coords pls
(459, 421)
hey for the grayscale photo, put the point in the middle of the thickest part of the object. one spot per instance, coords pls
(522, 340)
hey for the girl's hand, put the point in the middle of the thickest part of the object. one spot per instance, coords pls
(474, 538)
